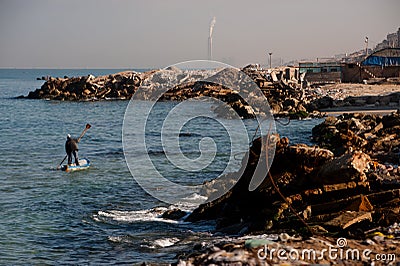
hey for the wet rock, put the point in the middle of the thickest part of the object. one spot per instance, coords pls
(174, 214)
(312, 182)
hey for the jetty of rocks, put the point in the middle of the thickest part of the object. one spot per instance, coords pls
(285, 98)
(347, 188)
(116, 86)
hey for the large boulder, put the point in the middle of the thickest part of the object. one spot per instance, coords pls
(349, 167)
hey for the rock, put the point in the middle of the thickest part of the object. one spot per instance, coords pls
(324, 102)
(378, 136)
(86, 87)
(348, 219)
(290, 162)
(349, 167)
(391, 121)
(290, 102)
(174, 214)
(174, 68)
(86, 92)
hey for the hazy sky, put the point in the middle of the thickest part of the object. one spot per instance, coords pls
(142, 34)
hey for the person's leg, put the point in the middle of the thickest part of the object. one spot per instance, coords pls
(69, 158)
(76, 157)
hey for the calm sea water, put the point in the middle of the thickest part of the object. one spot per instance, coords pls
(98, 216)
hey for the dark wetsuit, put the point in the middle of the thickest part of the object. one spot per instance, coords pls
(71, 147)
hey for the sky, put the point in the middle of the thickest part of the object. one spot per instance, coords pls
(159, 33)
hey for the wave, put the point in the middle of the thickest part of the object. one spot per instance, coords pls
(165, 242)
(149, 215)
(120, 239)
(153, 244)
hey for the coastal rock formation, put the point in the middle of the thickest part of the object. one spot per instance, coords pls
(263, 250)
(285, 98)
(309, 186)
(377, 136)
(116, 86)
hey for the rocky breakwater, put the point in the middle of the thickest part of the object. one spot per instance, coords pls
(286, 97)
(228, 85)
(311, 191)
(244, 92)
(116, 86)
(308, 186)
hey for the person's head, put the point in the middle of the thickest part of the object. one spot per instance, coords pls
(68, 136)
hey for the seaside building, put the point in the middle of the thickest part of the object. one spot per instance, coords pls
(384, 63)
(380, 64)
(325, 70)
(384, 58)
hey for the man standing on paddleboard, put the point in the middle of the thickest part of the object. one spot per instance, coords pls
(71, 147)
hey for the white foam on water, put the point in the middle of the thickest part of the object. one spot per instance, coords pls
(190, 203)
(119, 239)
(149, 215)
(165, 242)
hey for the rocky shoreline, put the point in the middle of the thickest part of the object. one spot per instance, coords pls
(380, 247)
(348, 186)
(287, 98)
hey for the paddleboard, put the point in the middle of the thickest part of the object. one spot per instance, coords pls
(83, 164)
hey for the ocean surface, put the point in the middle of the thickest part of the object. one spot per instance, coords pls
(101, 215)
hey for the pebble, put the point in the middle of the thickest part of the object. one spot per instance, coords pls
(378, 239)
(369, 242)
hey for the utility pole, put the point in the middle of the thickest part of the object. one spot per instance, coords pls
(366, 47)
(270, 61)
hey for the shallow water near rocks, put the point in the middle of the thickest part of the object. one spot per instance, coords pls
(100, 215)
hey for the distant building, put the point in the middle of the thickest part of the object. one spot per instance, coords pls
(392, 41)
(321, 71)
(384, 63)
(383, 58)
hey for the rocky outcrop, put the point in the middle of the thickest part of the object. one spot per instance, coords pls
(285, 98)
(377, 136)
(311, 186)
(117, 86)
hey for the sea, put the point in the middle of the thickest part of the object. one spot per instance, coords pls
(100, 216)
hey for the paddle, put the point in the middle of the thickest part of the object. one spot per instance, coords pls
(78, 140)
